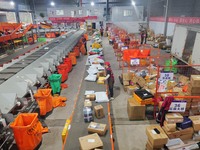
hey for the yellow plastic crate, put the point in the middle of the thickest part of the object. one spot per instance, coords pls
(148, 101)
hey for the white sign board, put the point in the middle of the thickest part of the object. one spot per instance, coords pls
(166, 76)
(135, 61)
(178, 106)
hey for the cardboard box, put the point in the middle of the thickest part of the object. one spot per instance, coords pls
(125, 88)
(174, 118)
(193, 90)
(90, 142)
(99, 112)
(171, 85)
(187, 131)
(125, 82)
(149, 146)
(141, 81)
(131, 89)
(151, 85)
(87, 103)
(170, 127)
(135, 110)
(155, 138)
(101, 80)
(91, 97)
(195, 80)
(186, 137)
(183, 79)
(195, 122)
(135, 79)
(172, 135)
(101, 74)
(98, 128)
(127, 76)
(177, 89)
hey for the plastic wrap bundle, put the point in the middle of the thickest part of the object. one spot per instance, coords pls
(88, 115)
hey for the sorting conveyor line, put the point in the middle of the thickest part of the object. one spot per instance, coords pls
(40, 66)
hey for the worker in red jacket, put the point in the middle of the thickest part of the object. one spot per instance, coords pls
(110, 79)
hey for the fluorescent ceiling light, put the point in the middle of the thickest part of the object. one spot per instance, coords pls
(12, 3)
(133, 3)
(52, 4)
(92, 3)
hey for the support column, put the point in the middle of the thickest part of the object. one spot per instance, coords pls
(166, 17)
(107, 9)
(17, 11)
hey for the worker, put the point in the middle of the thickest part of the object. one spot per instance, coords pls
(101, 31)
(143, 35)
(110, 79)
(85, 43)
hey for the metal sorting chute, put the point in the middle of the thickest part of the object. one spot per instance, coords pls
(20, 77)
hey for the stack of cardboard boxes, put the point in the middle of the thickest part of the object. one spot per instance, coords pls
(156, 137)
(176, 126)
(194, 90)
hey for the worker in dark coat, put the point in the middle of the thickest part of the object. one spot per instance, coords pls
(85, 43)
(110, 79)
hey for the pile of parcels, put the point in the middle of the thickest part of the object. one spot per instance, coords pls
(93, 140)
(186, 87)
(178, 132)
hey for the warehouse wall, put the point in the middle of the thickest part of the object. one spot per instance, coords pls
(176, 8)
(158, 27)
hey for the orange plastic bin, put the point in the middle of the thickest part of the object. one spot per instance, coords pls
(27, 131)
(63, 69)
(72, 55)
(44, 99)
(68, 61)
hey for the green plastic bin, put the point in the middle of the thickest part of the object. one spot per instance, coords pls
(42, 39)
(170, 63)
(55, 82)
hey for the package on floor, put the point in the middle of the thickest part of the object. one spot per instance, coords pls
(99, 111)
(91, 97)
(156, 136)
(90, 142)
(135, 110)
(87, 103)
(98, 128)
(88, 114)
(127, 76)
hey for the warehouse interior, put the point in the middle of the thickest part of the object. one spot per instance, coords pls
(99, 74)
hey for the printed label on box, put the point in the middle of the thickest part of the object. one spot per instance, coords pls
(135, 61)
(178, 106)
(166, 76)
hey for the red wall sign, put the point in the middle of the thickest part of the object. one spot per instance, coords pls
(71, 19)
(179, 20)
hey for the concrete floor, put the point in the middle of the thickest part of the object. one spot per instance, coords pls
(129, 135)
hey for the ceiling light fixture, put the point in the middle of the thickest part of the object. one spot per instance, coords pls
(133, 3)
(52, 4)
(12, 3)
(92, 3)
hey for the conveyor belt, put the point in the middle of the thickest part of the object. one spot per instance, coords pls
(16, 54)
(13, 69)
(79, 127)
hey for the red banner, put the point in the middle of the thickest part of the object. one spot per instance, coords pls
(71, 19)
(179, 20)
